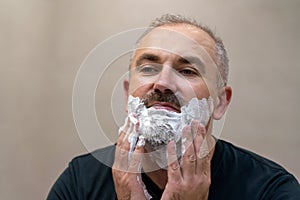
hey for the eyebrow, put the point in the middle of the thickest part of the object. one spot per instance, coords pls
(193, 60)
(148, 57)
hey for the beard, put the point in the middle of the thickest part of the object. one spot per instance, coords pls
(159, 126)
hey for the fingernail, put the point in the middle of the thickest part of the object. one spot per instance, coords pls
(172, 144)
(133, 119)
(202, 129)
(183, 140)
(141, 142)
(195, 122)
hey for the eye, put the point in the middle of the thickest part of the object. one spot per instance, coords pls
(149, 69)
(188, 72)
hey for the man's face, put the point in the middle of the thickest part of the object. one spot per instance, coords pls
(172, 64)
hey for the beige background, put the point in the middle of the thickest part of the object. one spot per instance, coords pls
(43, 43)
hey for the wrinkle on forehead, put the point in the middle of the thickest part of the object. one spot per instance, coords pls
(181, 39)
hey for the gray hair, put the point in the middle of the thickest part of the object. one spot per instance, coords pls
(221, 54)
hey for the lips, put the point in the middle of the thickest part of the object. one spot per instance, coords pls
(165, 106)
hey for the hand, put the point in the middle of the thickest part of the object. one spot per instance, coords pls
(126, 172)
(191, 180)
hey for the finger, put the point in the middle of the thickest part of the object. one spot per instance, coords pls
(203, 166)
(189, 157)
(202, 151)
(120, 153)
(174, 173)
(122, 131)
(122, 149)
(200, 143)
(136, 159)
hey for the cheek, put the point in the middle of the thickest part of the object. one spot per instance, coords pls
(198, 90)
(138, 89)
(138, 83)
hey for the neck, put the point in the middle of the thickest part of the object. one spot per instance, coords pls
(159, 177)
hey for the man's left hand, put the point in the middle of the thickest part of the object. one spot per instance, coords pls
(191, 179)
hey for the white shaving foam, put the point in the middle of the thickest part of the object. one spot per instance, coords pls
(159, 126)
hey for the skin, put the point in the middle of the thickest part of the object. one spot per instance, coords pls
(158, 66)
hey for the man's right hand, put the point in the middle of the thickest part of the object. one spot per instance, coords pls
(126, 173)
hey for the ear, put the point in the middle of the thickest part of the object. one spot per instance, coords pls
(126, 93)
(222, 102)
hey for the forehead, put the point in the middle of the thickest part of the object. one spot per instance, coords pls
(180, 39)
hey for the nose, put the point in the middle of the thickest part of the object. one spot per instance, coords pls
(166, 80)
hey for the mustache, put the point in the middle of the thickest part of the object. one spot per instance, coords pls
(157, 96)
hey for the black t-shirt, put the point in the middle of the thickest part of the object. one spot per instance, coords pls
(235, 174)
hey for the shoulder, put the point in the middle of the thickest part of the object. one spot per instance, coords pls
(244, 156)
(257, 173)
(86, 177)
(103, 156)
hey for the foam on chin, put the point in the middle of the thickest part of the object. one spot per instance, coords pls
(159, 126)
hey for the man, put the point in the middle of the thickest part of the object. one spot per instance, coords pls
(176, 91)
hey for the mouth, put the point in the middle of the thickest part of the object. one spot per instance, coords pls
(165, 106)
